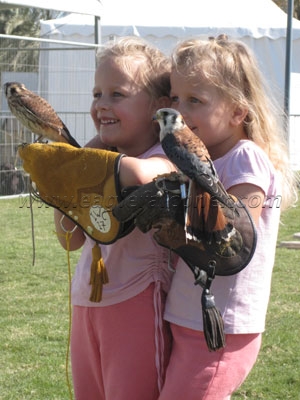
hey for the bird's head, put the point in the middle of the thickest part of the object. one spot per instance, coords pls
(11, 88)
(169, 120)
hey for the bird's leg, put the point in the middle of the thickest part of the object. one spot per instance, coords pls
(39, 140)
(183, 191)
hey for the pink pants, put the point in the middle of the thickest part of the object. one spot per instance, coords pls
(194, 373)
(114, 349)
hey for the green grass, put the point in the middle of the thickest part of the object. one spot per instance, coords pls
(276, 375)
(34, 312)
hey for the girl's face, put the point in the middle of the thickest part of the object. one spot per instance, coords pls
(122, 112)
(215, 120)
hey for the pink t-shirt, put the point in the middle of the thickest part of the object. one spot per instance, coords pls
(241, 298)
(132, 262)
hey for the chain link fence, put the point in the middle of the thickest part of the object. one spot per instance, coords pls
(52, 70)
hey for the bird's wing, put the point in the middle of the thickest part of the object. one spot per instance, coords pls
(205, 218)
(46, 115)
(191, 157)
(67, 135)
(41, 110)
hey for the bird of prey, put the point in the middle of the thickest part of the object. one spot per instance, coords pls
(206, 194)
(36, 114)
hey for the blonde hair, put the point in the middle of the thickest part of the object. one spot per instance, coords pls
(154, 76)
(231, 67)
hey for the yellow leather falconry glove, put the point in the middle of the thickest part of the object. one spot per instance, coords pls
(83, 184)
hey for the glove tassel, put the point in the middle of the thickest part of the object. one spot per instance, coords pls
(99, 276)
(212, 320)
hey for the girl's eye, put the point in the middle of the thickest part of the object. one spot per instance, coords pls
(194, 100)
(174, 99)
(98, 95)
(117, 94)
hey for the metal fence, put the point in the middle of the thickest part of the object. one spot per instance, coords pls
(60, 72)
(294, 141)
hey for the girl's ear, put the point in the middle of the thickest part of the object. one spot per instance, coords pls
(238, 115)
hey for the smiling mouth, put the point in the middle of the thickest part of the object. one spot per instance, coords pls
(108, 121)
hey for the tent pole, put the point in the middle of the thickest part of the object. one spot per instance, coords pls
(288, 58)
(96, 29)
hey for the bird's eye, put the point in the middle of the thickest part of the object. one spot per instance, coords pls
(174, 118)
(164, 116)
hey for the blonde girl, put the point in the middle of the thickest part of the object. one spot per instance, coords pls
(120, 346)
(217, 86)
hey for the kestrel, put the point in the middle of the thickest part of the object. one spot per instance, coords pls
(187, 151)
(36, 114)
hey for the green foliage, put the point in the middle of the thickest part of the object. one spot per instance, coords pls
(283, 4)
(23, 21)
(19, 55)
(34, 314)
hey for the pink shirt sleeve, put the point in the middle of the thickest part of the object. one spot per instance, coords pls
(245, 163)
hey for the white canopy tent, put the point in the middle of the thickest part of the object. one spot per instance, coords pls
(261, 24)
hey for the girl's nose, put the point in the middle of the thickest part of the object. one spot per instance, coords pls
(101, 103)
(180, 107)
